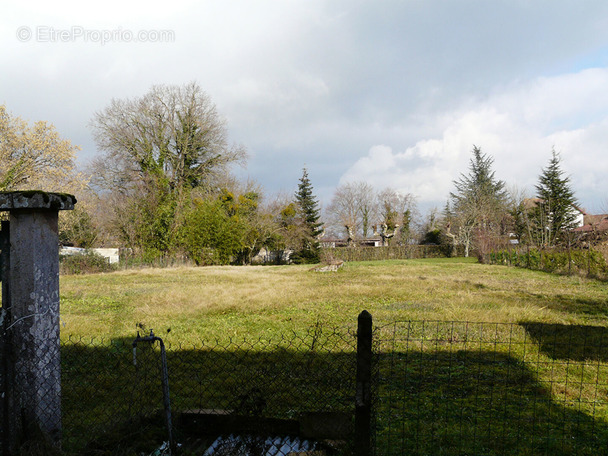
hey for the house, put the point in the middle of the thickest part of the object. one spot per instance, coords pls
(593, 223)
(530, 203)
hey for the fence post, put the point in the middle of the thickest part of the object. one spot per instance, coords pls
(4, 346)
(363, 398)
(31, 330)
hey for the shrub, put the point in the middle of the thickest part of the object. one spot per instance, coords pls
(587, 262)
(84, 263)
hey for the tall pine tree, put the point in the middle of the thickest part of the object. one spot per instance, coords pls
(308, 210)
(555, 212)
(477, 204)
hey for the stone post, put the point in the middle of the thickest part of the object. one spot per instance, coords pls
(31, 317)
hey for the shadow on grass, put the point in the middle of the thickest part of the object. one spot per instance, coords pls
(481, 403)
(440, 402)
(570, 342)
(103, 390)
(589, 307)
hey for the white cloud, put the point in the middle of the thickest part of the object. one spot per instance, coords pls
(518, 128)
(319, 83)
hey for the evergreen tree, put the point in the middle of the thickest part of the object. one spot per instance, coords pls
(478, 204)
(555, 212)
(308, 210)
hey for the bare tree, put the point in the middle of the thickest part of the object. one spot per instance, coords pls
(353, 208)
(160, 151)
(368, 210)
(173, 132)
(396, 213)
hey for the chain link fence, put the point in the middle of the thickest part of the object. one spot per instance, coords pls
(299, 385)
(440, 388)
(459, 388)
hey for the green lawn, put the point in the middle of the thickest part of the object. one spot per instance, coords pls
(531, 380)
(221, 302)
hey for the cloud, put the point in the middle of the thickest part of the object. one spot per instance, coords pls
(518, 127)
(322, 83)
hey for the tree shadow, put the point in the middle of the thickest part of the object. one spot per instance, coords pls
(481, 403)
(589, 307)
(570, 342)
(441, 402)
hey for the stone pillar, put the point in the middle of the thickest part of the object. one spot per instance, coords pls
(31, 318)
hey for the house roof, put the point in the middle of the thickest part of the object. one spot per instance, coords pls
(591, 219)
(594, 223)
(531, 203)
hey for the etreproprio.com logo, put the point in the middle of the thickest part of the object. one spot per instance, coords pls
(48, 34)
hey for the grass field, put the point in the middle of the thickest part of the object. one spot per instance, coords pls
(261, 302)
(533, 379)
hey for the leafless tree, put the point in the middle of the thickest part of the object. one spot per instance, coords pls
(396, 213)
(353, 208)
(160, 151)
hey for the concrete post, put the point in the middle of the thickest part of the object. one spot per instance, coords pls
(31, 320)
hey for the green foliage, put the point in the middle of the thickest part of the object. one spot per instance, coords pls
(479, 187)
(308, 209)
(432, 237)
(585, 262)
(554, 214)
(211, 235)
(152, 221)
(85, 263)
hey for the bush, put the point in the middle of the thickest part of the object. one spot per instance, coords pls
(210, 235)
(587, 262)
(84, 263)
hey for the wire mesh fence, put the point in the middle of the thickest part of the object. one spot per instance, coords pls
(452, 388)
(300, 385)
(440, 388)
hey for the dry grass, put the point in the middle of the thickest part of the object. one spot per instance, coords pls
(458, 388)
(219, 302)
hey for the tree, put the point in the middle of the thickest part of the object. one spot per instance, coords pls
(554, 213)
(430, 232)
(308, 211)
(289, 228)
(396, 211)
(353, 208)
(210, 235)
(172, 133)
(161, 152)
(477, 208)
(36, 157)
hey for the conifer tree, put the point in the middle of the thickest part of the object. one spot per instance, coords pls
(555, 212)
(308, 209)
(478, 204)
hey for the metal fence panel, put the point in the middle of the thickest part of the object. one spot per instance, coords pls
(449, 388)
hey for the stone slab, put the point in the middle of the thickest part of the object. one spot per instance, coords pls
(36, 200)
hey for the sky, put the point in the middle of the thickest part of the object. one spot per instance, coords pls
(393, 93)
